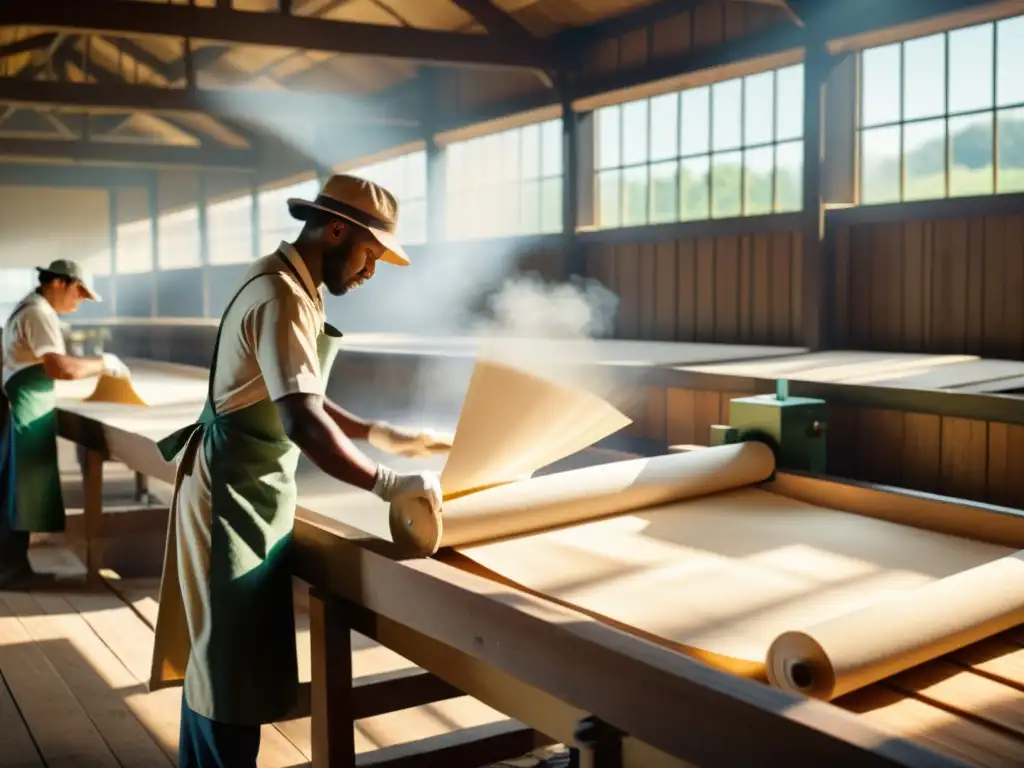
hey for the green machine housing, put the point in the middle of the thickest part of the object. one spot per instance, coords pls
(794, 428)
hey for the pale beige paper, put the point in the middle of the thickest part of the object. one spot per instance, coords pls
(606, 489)
(512, 424)
(856, 649)
(721, 577)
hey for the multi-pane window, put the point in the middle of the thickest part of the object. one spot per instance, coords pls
(507, 183)
(943, 115)
(734, 148)
(98, 262)
(229, 230)
(178, 244)
(134, 247)
(276, 223)
(406, 178)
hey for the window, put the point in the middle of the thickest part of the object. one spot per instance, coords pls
(276, 223)
(731, 149)
(943, 115)
(406, 178)
(98, 262)
(178, 244)
(15, 284)
(229, 230)
(507, 183)
(134, 247)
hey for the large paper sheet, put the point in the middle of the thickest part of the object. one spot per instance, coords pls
(722, 577)
(512, 424)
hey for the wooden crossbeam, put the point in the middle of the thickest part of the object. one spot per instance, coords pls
(111, 153)
(125, 17)
(226, 102)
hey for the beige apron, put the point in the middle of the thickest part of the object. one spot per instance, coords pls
(238, 659)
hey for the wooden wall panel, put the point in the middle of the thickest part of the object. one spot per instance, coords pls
(962, 458)
(710, 24)
(951, 285)
(725, 289)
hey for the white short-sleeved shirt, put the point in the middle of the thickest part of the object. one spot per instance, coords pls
(268, 343)
(31, 332)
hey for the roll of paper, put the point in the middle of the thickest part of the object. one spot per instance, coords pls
(854, 650)
(585, 494)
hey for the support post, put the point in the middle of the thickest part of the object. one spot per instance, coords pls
(570, 185)
(817, 63)
(331, 705)
(114, 218)
(599, 742)
(92, 478)
(204, 239)
(154, 234)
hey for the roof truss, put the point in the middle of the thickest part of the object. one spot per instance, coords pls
(127, 17)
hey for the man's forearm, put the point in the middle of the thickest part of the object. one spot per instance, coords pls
(69, 368)
(354, 427)
(332, 450)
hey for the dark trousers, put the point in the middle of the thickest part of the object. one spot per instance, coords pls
(205, 743)
(13, 544)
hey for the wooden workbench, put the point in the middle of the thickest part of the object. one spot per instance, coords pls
(510, 650)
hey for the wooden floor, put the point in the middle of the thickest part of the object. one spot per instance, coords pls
(74, 666)
(73, 670)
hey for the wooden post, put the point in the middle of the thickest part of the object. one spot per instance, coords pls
(331, 692)
(817, 62)
(92, 476)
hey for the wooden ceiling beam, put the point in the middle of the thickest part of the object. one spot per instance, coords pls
(133, 155)
(222, 102)
(127, 17)
(503, 27)
(28, 44)
(71, 176)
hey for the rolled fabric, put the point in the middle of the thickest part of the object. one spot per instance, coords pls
(854, 650)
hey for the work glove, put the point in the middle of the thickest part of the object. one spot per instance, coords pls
(114, 366)
(407, 442)
(393, 487)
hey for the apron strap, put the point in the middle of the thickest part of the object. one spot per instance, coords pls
(175, 443)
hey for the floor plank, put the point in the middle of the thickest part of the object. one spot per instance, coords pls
(92, 673)
(935, 728)
(131, 640)
(960, 690)
(63, 732)
(19, 751)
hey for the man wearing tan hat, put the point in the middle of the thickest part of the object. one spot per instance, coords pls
(226, 623)
(33, 357)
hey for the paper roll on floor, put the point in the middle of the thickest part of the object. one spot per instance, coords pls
(854, 650)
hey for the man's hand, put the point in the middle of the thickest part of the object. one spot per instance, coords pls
(406, 442)
(114, 366)
(393, 487)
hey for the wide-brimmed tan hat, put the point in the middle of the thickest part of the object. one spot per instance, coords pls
(362, 202)
(72, 270)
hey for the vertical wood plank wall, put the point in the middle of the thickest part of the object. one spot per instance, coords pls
(947, 286)
(724, 289)
(952, 456)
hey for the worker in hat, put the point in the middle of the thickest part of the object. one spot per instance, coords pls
(34, 356)
(226, 623)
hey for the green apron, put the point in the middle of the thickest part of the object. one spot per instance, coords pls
(32, 497)
(244, 670)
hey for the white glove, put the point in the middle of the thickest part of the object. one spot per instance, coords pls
(406, 442)
(391, 486)
(114, 366)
